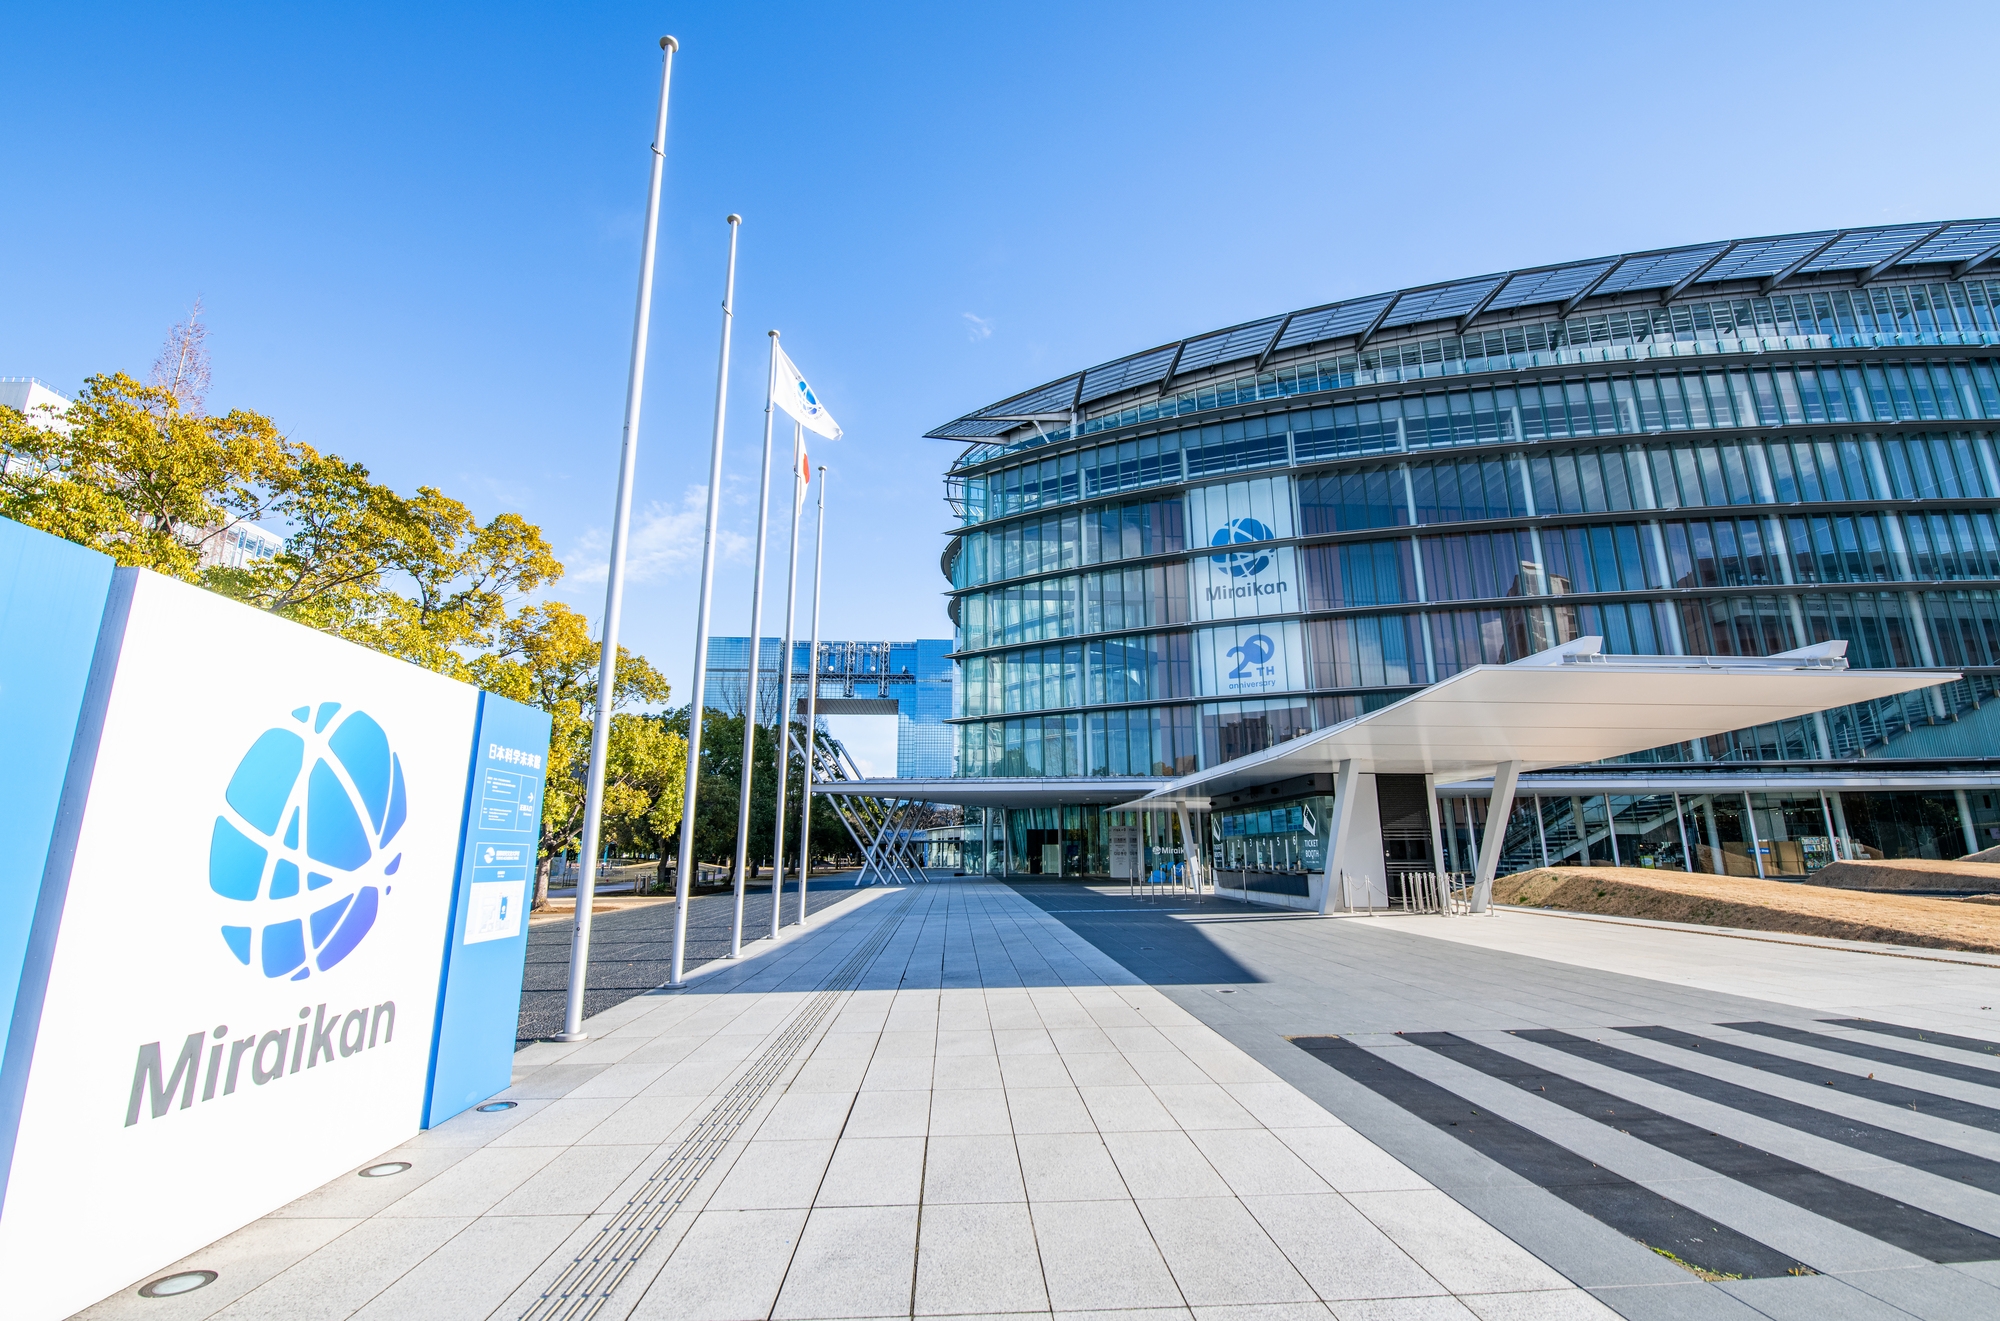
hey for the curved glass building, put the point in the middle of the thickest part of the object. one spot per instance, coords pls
(1733, 449)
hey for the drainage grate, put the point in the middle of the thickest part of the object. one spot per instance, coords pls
(586, 1285)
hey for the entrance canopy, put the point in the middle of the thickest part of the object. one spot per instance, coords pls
(1559, 707)
(1002, 791)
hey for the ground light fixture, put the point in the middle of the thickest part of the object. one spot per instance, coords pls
(495, 1107)
(385, 1169)
(180, 1282)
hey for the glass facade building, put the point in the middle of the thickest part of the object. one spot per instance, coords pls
(1735, 448)
(917, 676)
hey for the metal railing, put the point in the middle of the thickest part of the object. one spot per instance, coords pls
(1447, 893)
(1178, 879)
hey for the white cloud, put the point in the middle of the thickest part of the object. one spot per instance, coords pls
(977, 327)
(665, 542)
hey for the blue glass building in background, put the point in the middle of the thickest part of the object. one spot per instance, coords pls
(911, 680)
(1733, 448)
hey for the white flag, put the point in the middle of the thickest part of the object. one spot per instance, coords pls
(791, 393)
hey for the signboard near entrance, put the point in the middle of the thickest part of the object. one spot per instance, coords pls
(472, 1051)
(1127, 857)
(236, 952)
(1313, 814)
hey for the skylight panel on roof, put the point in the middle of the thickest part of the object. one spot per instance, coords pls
(1531, 287)
(1659, 270)
(1227, 346)
(1765, 256)
(1963, 240)
(1433, 304)
(1055, 397)
(1860, 249)
(970, 428)
(1347, 318)
(1864, 247)
(1126, 373)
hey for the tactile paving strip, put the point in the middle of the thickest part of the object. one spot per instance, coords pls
(586, 1285)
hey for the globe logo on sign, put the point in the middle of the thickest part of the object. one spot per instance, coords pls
(303, 841)
(1242, 563)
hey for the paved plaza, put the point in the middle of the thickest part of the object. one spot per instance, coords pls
(970, 1099)
(632, 946)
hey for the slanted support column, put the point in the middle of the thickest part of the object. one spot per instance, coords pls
(1343, 814)
(1193, 854)
(1505, 776)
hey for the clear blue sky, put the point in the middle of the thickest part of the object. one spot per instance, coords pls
(415, 227)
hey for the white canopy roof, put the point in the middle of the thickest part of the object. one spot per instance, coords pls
(1560, 707)
(1001, 791)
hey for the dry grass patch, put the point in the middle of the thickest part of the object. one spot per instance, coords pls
(1910, 874)
(1754, 905)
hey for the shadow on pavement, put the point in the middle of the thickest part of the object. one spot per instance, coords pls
(1150, 936)
(631, 949)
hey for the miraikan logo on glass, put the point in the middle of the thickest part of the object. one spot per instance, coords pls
(304, 840)
(1242, 563)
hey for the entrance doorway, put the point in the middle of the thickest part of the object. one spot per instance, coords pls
(1402, 806)
(1045, 852)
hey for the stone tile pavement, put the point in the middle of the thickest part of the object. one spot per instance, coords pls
(936, 1101)
(1688, 1123)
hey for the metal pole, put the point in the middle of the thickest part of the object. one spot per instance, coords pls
(697, 696)
(886, 864)
(812, 705)
(896, 852)
(785, 689)
(614, 582)
(750, 687)
(1437, 837)
(873, 858)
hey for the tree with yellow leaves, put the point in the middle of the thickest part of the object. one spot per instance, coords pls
(141, 473)
(544, 656)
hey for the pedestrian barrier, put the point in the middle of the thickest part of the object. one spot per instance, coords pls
(1177, 879)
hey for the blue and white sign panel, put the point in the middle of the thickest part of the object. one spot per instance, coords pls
(1244, 576)
(1250, 660)
(479, 1009)
(237, 951)
(52, 597)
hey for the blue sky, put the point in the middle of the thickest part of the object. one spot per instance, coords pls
(415, 228)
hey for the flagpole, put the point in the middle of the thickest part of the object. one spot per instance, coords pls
(697, 695)
(614, 581)
(750, 688)
(812, 704)
(785, 690)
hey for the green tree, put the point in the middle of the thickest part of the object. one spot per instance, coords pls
(715, 810)
(129, 471)
(136, 472)
(544, 656)
(142, 474)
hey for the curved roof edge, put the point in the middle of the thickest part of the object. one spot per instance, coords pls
(1869, 251)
